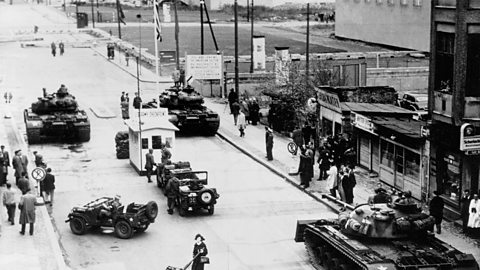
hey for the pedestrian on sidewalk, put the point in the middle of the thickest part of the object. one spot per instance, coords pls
(49, 187)
(323, 163)
(9, 203)
(3, 172)
(39, 162)
(349, 183)
(54, 48)
(269, 142)
(464, 204)
(137, 101)
(17, 165)
(436, 210)
(474, 214)
(149, 162)
(6, 158)
(23, 183)
(244, 109)
(306, 166)
(122, 97)
(127, 57)
(242, 123)
(27, 211)
(332, 180)
(232, 98)
(235, 111)
(254, 110)
(297, 137)
(61, 46)
(199, 253)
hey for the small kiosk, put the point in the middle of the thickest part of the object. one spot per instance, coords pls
(150, 133)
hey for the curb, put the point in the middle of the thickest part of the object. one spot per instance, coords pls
(273, 169)
(106, 115)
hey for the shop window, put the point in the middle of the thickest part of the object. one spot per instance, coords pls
(156, 142)
(327, 126)
(168, 142)
(473, 66)
(338, 128)
(144, 143)
(399, 159)
(444, 61)
(412, 165)
(387, 157)
(450, 177)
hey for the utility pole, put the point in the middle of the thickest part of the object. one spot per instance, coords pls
(307, 62)
(235, 7)
(118, 19)
(251, 44)
(177, 46)
(139, 17)
(93, 16)
(248, 10)
(202, 48)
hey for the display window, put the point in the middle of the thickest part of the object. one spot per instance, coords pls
(449, 182)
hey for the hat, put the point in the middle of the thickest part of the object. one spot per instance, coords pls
(16, 152)
(199, 235)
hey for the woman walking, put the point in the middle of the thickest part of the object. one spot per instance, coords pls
(199, 253)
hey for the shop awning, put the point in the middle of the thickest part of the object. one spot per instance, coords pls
(374, 108)
(404, 129)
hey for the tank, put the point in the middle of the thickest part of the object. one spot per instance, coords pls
(56, 116)
(383, 236)
(186, 111)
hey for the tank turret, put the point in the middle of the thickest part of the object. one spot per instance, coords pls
(181, 98)
(61, 101)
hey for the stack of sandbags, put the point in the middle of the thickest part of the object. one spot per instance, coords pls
(121, 144)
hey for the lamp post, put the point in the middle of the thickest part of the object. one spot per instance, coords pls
(251, 43)
(93, 16)
(236, 47)
(202, 50)
(139, 17)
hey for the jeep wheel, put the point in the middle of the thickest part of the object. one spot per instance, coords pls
(78, 226)
(152, 210)
(141, 230)
(123, 229)
(206, 197)
(211, 209)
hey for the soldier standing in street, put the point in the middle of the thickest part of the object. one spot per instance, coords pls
(149, 162)
(48, 187)
(166, 154)
(172, 192)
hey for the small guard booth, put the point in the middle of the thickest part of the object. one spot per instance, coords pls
(150, 134)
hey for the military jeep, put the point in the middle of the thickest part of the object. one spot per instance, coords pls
(194, 193)
(167, 171)
(124, 220)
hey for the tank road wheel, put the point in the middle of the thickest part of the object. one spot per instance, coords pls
(78, 226)
(84, 134)
(123, 229)
(33, 135)
(313, 252)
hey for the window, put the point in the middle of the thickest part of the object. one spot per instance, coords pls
(387, 154)
(448, 182)
(473, 66)
(412, 165)
(399, 158)
(144, 143)
(444, 61)
(417, 3)
(156, 142)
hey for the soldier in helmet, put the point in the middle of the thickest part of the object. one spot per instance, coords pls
(62, 91)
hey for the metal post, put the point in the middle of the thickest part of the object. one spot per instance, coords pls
(177, 30)
(236, 46)
(64, 5)
(98, 13)
(307, 62)
(93, 16)
(139, 114)
(251, 44)
(139, 17)
(118, 20)
(248, 10)
(202, 48)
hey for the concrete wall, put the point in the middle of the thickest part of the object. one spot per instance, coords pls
(387, 22)
(402, 79)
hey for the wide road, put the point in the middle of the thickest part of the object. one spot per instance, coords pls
(255, 218)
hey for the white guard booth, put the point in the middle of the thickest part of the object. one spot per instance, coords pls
(154, 131)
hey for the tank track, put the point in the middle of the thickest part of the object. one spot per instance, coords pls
(33, 135)
(84, 134)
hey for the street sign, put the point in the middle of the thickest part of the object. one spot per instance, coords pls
(472, 152)
(39, 173)
(167, 57)
(204, 67)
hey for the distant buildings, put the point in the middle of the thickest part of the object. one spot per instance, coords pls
(398, 23)
(218, 4)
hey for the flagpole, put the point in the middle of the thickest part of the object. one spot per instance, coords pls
(156, 17)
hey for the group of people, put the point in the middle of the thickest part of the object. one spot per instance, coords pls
(245, 111)
(470, 207)
(61, 47)
(150, 160)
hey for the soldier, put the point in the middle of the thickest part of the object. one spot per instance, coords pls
(137, 101)
(61, 46)
(54, 48)
(149, 162)
(166, 154)
(172, 193)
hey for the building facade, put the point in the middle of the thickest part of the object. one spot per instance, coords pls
(398, 23)
(454, 99)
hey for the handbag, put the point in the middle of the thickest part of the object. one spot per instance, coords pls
(204, 259)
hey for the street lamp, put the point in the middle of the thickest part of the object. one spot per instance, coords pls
(139, 17)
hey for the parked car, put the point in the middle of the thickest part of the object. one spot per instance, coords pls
(135, 217)
(415, 101)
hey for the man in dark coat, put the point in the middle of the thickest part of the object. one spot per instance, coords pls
(27, 211)
(235, 111)
(6, 158)
(232, 98)
(137, 101)
(17, 165)
(48, 186)
(297, 137)
(465, 203)
(254, 109)
(149, 162)
(23, 183)
(436, 210)
(348, 185)
(323, 163)
(171, 189)
(306, 167)
(269, 143)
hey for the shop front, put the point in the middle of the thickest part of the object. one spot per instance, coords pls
(396, 149)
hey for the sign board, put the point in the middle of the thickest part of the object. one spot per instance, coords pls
(153, 113)
(472, 152)
(259, 52)
(469, 139)
(329, 100)
(363, 122)
(166, 12)
(282, 65)
(204, 67)
(167, 57)
(39, 173)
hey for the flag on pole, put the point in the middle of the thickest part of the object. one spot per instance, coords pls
(121, 15)
(158, 26)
